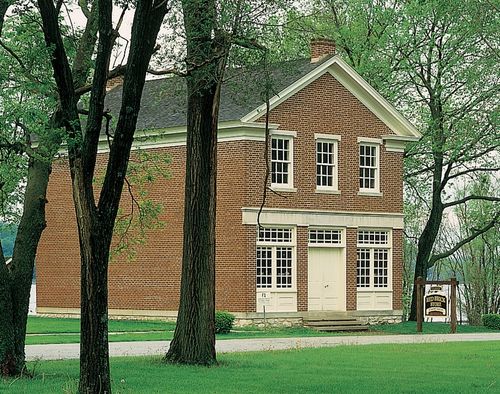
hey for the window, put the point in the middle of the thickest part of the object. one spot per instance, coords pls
(275, 235)
(326, 162)
(326, 169)
(264, 267)
(325, 237)
(369, 167)
(275, 258)
(281, 161)
(372, 270)
(373, 237)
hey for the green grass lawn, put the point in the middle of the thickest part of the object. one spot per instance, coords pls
(54, 325)
(410, 327)
(460, 367)
(44, 330)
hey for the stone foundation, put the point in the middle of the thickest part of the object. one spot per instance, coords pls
(272, 319)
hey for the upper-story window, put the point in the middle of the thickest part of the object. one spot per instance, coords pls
(369, 167)
(326, 162)
(282, 160)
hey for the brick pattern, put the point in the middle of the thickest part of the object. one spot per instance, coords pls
(321, 48)
(351, 263)
(302, 268)
(397, 269)
(326, 107)
(151, 281)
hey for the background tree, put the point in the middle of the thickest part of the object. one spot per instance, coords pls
(437, 62)
(95, 218)
(476, 264)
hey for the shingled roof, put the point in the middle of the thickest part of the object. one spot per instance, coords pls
(164, 101)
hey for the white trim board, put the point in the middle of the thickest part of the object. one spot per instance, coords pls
(305, 217)
(176, 136)
(355, 84)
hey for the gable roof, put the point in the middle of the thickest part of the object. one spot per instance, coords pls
(164, 101)
(354, 83)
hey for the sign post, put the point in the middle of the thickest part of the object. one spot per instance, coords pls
(436, 302)
(264, 299)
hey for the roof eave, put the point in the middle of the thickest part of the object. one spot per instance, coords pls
(353, 82)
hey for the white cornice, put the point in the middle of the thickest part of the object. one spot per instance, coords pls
(309, 217)
(176, 136)
(395, 143)
(353, 82)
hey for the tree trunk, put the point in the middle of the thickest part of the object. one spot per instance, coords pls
(425, 243)
(194, 338)
(15, 285)
(431, 229)
(94, 352)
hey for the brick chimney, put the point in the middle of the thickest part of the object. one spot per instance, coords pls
(321, 48)
(114, 82)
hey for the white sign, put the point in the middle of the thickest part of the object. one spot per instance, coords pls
(264, 298)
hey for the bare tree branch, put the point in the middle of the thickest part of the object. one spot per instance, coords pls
(435, 257)
(471, 197)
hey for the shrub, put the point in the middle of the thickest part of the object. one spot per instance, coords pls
(223, 322)
(492, 320)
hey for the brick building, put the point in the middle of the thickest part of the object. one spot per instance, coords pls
(331, 235)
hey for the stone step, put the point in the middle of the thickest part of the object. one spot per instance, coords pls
(341, 328)
(350, 322)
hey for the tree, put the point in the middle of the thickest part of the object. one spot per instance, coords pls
(24, 84)
(476, 264)
(437, 61)
(211, 29)
(452, 68)
(194, 338)
(95, 218)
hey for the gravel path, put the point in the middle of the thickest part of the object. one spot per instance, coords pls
(149, 348)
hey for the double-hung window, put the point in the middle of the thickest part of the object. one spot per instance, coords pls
(282, 160)
(369, 165)
(373, 259)
(326, 162)
(275, 259)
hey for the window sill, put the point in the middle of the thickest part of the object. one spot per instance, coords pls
(374, 290)
(327, 191)
(284, 189)
(370, 194)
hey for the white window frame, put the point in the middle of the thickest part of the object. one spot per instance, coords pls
(375, 143)
(289, 136)
(340, 244)
(329, 139)
(372, 247)
(274, 245)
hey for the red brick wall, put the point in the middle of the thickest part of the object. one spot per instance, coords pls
(302, 268)
(151, 281)
(326, 107)
(397, 269)
(351, 264)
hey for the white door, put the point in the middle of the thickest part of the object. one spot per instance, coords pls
(326, 279)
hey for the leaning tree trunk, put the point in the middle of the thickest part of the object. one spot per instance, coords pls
(15, 284)
(425, 242)
(431, 229)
